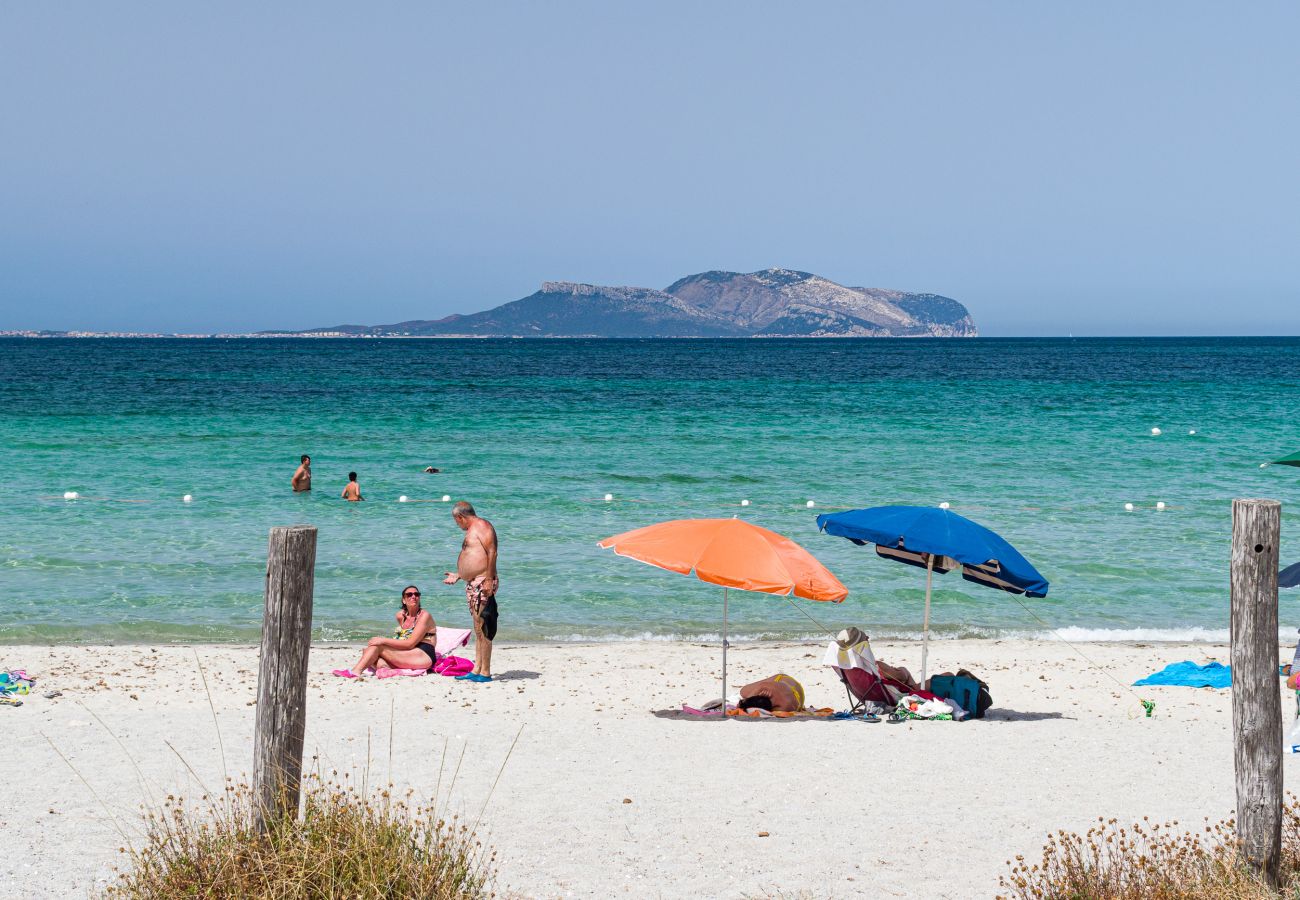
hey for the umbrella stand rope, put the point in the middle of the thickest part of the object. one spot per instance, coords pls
(1148, 705)
(829, 633)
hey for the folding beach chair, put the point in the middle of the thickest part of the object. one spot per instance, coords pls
(851, 657)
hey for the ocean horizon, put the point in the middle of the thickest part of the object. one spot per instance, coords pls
(1043, 440)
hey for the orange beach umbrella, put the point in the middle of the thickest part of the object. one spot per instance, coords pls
(734, 554)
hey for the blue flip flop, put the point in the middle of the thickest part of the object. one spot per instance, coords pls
(468, 676)
(479, 679)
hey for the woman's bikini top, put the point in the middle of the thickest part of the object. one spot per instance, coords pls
(403, 633)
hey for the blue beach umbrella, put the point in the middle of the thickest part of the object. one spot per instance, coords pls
(1289, 577)
(938, 540)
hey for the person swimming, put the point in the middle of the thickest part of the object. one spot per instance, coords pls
(430, 470)
(352, 490)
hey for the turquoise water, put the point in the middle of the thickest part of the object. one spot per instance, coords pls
(1042, 440)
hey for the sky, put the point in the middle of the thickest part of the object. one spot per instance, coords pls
(1092, 169)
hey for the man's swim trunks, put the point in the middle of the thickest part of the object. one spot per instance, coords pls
(483, 605)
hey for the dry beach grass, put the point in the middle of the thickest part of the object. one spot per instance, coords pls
(346, 844)
(1152, 861)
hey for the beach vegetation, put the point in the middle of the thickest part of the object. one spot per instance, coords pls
(346, 843)
(1146, 861)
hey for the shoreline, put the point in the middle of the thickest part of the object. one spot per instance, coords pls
(601, 724)
(1213, 637)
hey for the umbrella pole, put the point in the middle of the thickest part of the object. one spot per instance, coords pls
(925, 632)
(724, 652)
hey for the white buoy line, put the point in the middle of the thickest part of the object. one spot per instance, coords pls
(1157, 432)
(1159, 505)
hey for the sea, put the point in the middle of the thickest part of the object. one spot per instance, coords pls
(1043, 440)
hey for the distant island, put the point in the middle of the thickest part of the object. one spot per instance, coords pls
(769, 303)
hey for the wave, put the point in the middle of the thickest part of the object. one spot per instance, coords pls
(1192, 635)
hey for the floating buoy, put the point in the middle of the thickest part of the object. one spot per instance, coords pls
(1193, 431)
(401, 499)
(744, 503)
(944, 505)
(1128, 506)
(1160, 504)
(1156, 432)
(810, 504)
(188, 498)
(609, 497)
(69, 495)
(446, 498)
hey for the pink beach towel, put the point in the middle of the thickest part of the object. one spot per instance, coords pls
(446, 665)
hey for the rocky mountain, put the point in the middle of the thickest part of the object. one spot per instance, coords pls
(770, 303)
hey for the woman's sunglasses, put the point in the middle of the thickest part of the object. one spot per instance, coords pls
(411, 594)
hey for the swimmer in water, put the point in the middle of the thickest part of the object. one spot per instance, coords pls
(301, 481)
(352, 492)
(430, 470)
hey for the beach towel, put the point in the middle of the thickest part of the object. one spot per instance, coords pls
(807, 711)
(733, 710)
(451, 638)
(1190, 674)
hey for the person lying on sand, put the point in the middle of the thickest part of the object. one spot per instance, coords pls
(411, 646)
(780, 693)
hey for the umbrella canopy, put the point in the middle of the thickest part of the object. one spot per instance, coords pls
(734, 554)
(731, 553)
(1289, 577)
(937, 540)
(914, 534)
(1292, 460)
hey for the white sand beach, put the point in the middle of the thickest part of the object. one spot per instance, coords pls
(927, 809)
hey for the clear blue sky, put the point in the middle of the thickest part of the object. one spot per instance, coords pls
(1103, 168)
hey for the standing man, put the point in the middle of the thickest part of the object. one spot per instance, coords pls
(302, 478)
(477, 566)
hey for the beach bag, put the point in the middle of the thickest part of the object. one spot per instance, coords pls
(983, 700)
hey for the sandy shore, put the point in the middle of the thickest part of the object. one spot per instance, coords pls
(911, 810)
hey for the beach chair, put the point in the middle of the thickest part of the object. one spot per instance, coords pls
(851, 657)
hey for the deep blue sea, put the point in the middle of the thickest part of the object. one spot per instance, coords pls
(1042, 440)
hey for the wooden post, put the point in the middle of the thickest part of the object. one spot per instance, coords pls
(1256, 700)
(282, 673)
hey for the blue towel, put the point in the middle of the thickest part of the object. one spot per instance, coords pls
(1189, 674)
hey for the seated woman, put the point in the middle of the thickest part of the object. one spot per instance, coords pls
(780, 693)
(410, 647)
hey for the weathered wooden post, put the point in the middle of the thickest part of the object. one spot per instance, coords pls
(282, 673)
(1256, 701)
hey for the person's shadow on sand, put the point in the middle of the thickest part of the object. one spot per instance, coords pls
(517, 675)
(999, 714)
